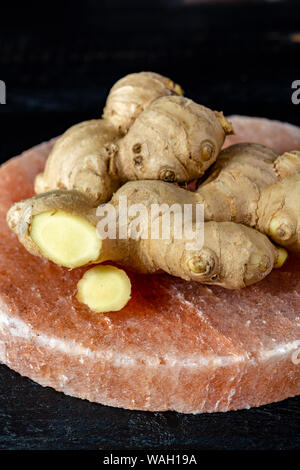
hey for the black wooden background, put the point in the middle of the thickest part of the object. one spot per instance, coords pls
(58, 61)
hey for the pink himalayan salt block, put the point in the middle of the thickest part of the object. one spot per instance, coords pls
(277, 135)
(176, 345)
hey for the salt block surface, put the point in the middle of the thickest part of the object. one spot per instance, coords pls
(277, 135)
(176, 345)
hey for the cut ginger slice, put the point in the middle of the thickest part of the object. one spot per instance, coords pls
(104, 289)
(66, 239)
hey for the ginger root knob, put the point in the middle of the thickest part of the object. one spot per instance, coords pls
(282, 256)
(281, 230)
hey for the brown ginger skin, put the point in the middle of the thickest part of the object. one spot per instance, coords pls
(132, 94)
(266, 202)
(174, 139)
(81, 160)
(233, 189)
(233, 255)
(245, 186)
(288, 164)
(279, 212)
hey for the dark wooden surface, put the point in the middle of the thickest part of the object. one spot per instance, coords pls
(58, 69)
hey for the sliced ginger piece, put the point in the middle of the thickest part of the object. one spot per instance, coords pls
(104, 289)
(65, 239)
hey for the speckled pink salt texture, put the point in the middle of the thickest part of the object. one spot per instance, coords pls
(176, 345)
(279, 136)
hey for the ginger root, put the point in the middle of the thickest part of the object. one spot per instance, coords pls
(81, 160)
(150, 132)
(279, 212)
(49, 222)
(246, 187)
(132, 94)
(174, 139)
(104, 289)
(232, 256)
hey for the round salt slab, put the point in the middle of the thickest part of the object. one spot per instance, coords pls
(176, 345)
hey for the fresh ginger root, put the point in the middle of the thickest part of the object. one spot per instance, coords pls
(150, 132)
(132, 94)
(232, 190)
(232, 256)
(279, 212)
(104, 289)
(174, 139)
(81, 160)
(246, 187)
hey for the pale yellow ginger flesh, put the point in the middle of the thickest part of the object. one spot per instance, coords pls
(65, 239)
(104, 289)
(282, 256)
